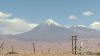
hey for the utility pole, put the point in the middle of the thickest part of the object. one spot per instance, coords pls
(49, 50)
(80, 47)
(34, 50)
(1, 47)
(74, 45)
(12, 49)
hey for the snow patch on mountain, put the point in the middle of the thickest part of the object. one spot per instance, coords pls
(52, 22)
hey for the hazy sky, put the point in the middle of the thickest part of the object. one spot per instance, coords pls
(66, 12)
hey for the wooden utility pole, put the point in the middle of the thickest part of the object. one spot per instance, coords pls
(12, 49)
(74, 45)
(1, 46)
(34, 50)
(49, 51)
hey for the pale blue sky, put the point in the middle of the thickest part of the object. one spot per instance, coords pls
(37, 11)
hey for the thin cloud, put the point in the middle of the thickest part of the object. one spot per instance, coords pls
(72, 17)
(14, 25)
(4, 15)
(88, 13)
(95, 25)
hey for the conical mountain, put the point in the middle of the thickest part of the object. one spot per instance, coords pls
(49, 30)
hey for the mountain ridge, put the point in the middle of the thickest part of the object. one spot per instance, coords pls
(53, 31)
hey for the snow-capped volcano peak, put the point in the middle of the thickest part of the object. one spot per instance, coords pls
(52, 22)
